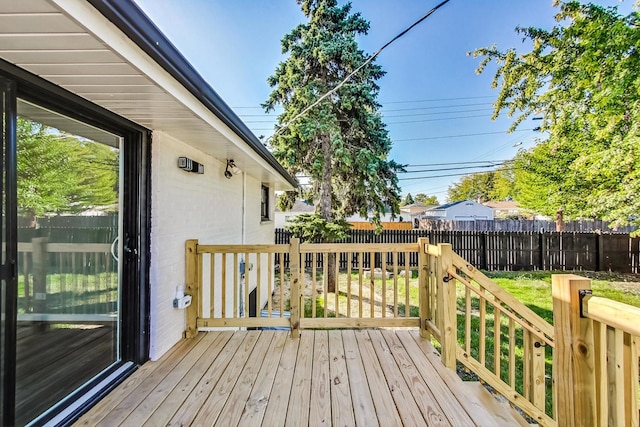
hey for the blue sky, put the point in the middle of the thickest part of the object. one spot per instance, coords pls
(436, 107)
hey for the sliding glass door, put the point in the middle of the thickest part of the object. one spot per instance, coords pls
(7, 279)
(69, 204)
(74, 233)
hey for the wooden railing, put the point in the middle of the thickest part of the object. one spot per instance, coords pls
(66, 281)
(488, 331)
(549, 372)
(373, 284)
(596, 359)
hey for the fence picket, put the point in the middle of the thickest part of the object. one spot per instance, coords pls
(502, 250)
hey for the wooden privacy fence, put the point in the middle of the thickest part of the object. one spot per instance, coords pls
(513, 251)
(551, 372)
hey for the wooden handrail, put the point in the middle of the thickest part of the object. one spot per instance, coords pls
(613, 313)
(535, 320)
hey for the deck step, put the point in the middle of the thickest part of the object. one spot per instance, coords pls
(502, 410)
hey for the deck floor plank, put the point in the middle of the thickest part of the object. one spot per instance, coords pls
(153, 400)
(174, 400)
(187, 412)
(320, 410)
(145, 378)
(446, 399)
(406, 404)
(386, 410)
(300, 398)
(341, 403)
(219, 395)
(471, 404)
(276, 411)
(265, 378)
(232, 411)
(364, 411)
(256, 405)
(427, 402)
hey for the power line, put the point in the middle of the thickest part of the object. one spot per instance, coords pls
(458, 136)
(442, 119)
(437, 99)
(435, 107)
(457, 163)
(452, 169)
(449, 175)
(273, 119)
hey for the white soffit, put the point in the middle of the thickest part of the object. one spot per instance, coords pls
(71, 44)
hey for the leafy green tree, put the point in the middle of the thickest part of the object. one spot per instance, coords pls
(341, 143)
(425, 200)
(408, 200)
(472, 187)
(582, 78)
(62, 174)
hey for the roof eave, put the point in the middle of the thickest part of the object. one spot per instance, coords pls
(133, 22)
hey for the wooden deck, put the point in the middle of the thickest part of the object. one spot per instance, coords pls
(336, 377)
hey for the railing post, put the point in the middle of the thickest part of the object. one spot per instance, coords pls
(447, 307)
(423, 289)
(192, 285)
(573, 355)
(294, 280)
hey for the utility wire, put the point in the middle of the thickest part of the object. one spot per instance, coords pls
(452, 174)
(458, 136)
(458, 163)
(354, 72)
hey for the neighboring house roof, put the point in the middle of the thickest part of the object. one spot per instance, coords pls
(79, 46)
(300, 206)
(446, 206)
(502, 204)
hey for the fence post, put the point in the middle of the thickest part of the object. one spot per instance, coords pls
(447, 307)
(423, 286)
(294, 280)
(40, 267)
(192, 284)
(573, 355)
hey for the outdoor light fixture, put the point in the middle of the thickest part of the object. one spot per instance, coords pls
(231, 169)
(189, 165)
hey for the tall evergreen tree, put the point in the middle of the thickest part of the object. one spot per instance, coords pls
(341, 143)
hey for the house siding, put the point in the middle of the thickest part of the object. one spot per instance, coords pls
(185, 205)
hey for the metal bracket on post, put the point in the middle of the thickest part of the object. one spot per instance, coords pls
(582, 293)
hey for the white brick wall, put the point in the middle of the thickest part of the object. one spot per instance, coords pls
(186, 206)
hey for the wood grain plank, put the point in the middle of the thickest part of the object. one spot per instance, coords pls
(299, 400)
(180, 393)
(145, 378)
(363, 409)
(188, 411)
(232, 411)
(474, 407)
(276, 411)
(341, 403)
(151, 402)
(406, 404)
(216, 400)
(383, 401)
(256, 404)
(426, 400)
(320, 410)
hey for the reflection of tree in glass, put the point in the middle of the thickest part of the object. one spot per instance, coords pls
(59, 173)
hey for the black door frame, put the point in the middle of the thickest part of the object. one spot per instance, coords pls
(136, 230)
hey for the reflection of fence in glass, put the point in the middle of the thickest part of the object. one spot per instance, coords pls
(66, 278)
